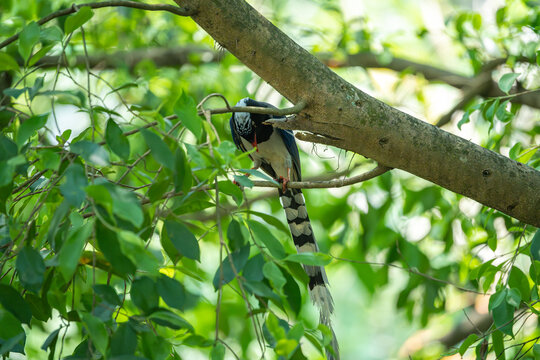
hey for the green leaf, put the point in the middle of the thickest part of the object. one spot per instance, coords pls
(101, 195)
(185, 109)
(91, 152)
(253, 269)
(13, 302)
(27, 39)
(500, 16)
(263, 235)
(464, 119)
(183, 240)
(243, 181)
(171, 291)
(158, 189)
(11, 332)
(51, 34)
(535, 246)
(144, 294)
(30, 126)
(218, 352)
(491, 110)
(507, 80)
(159, 149)
(182, 171)
(38, 84)
(73, 187)
(313, 259)
(15, 93)
(126, 205)
(235, 236)
(123, 341)
(154, 346)
(296, 332)
(134, 248)
(171, 320)
(8, 148)
(497, 299)
(41, 310)
(97, 331)
(226, 272)
(7, 62)
(476, 21)
(71, 251)
(75, 21)
(260, 289)
(286, 347)
(503, 114)
(110, 247)
(31, 268)
(513, 297)
(471, 339)
(41, 53)
(503, 317)
(270, 220)
(50, 342)
(259, 174)
(518, 280)
(227, 187)
(294, 296)
(118, 143)
(107, 294)
(272, 272)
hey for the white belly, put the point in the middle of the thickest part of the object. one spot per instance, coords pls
(274, 152)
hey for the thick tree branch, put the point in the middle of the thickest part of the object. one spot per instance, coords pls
(490, 89)
(475, 323)
(181, 11)
(359, 123)
(161, 57)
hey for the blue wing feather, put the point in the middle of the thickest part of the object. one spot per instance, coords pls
(292, 148)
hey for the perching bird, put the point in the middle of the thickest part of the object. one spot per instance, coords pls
(277, 154)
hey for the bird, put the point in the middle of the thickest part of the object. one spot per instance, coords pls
(276, 153)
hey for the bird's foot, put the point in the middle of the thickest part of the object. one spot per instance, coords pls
(284, 182)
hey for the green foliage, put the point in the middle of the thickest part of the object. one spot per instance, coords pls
(114, 242)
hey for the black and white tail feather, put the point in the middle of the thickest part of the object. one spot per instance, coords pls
(277, 154)
(304, 240)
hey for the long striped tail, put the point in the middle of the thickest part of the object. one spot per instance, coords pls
(302, 234)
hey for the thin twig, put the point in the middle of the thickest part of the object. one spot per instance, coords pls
(334, 183)
(259, 110)
(97, 5)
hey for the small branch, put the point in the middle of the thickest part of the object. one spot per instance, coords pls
(185, 11)
(161, 57)
(300, 105)
(334, 183)
(477, 88)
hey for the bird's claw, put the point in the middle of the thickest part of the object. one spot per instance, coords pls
(284, 182)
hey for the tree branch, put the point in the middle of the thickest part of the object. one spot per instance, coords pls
(334, 183)
(491, 89)
(161, 57)
(475, 323)
(481, 85)
(181, 11)
(299, 106)
(359, 123)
